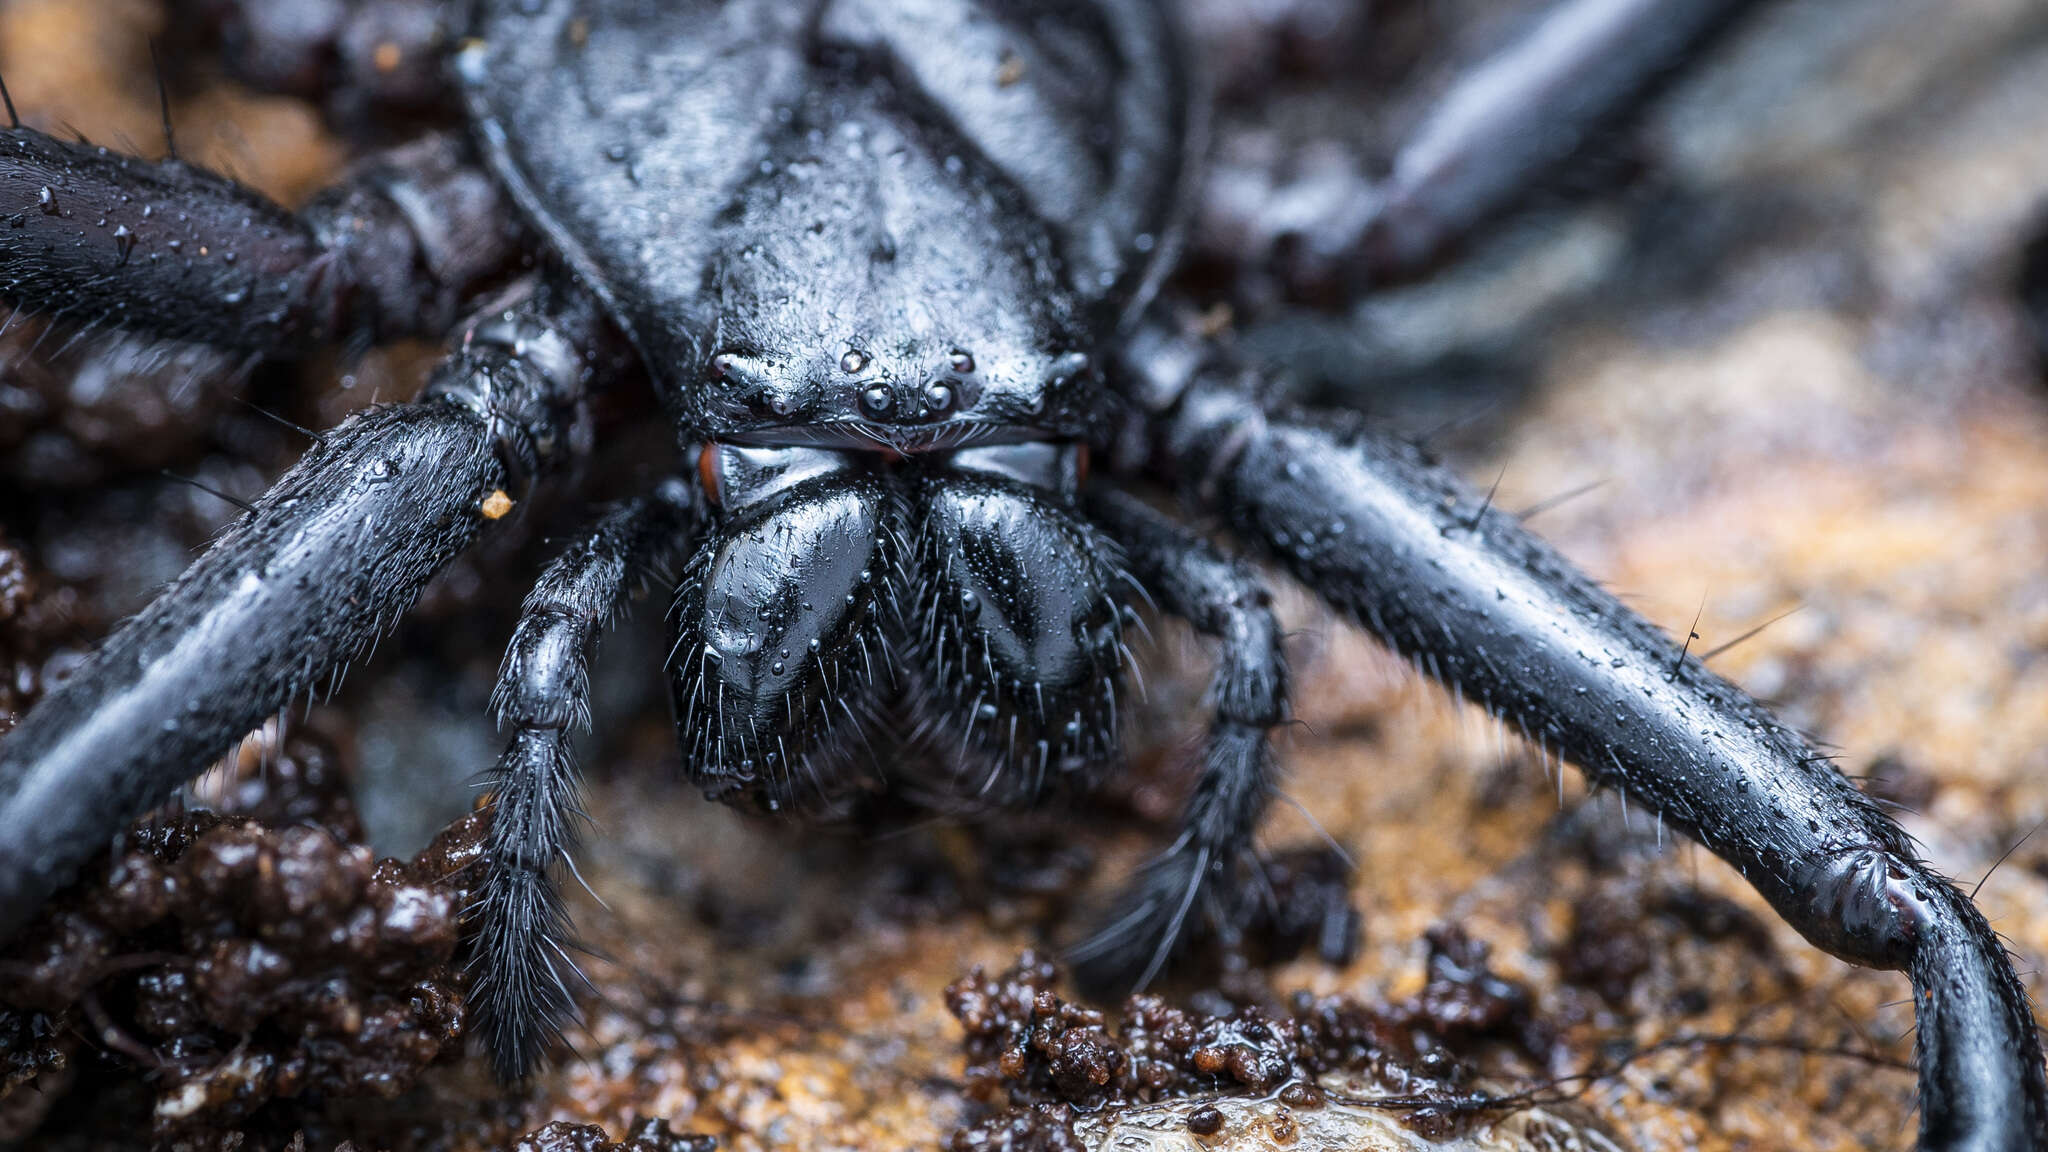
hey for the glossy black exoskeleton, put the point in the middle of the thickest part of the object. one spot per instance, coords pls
(892, 265)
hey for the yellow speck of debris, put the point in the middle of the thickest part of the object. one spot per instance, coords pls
(579, 32)
(1010, 70)
(496, 504)
(1216, 321)
(387, 57)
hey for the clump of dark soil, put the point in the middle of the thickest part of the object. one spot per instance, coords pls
(242, 958)
(41, 622)
(1035, 1059)
(643, 1136)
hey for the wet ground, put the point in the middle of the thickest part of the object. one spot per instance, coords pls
(1780, 349)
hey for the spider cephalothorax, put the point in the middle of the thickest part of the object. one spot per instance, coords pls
(895, 272)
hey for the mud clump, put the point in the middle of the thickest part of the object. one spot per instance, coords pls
(242, 958)
(42, 623)
(1035, 1060)
(642, 1136)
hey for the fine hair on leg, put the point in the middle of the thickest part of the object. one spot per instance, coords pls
(1195, 877)
(1397, 542)
(520, 960)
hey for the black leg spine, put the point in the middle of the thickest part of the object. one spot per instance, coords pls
(1224, 599)
(543, 694)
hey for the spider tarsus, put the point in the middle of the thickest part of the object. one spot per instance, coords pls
(1199, 876)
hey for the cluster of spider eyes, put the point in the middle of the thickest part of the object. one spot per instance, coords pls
(877, 400)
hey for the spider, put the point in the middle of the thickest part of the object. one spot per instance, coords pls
(895, 271)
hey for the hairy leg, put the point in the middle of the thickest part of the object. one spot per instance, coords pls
(322, 564)
(1399, 544)
(543, 694)
(93, 237)
(1223, 599)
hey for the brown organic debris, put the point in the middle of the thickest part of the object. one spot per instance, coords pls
(1034, 1060)
(237, 962)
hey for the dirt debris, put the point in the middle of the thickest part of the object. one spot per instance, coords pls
(1037, 1060)
(242, 957)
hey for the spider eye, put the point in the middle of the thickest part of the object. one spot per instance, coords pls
(853, 361)
(711, 473)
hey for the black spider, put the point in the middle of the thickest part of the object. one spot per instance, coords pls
(893, 268)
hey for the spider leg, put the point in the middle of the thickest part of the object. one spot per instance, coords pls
(322, 564)
(172, 250)
(1503, 125)
(543, 693)
(1224, 599)
(1399, 544)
